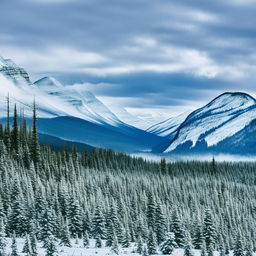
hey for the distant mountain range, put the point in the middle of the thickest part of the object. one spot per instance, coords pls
(67, 113)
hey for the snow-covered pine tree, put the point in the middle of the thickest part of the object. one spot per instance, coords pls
(74, 217)
(248, 249)
(177, 229)
(3, 241)
(209, 231)
(168, 245)
(151, 210)
(86, 240)
(98, 224)
(65, 236)
(203, 249)
(98, 242)
(33, 241)
(238, 247)
(188, 246)
(27, 246)
(51, 249)
(126, 238)
(152, 242)
(145, 250)
(115, 247)
(160, 224)
(109, 234)
(14, 246)
(139, 245)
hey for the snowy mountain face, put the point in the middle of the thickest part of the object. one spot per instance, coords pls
(169, 127)
(214, 123)
(68, 112)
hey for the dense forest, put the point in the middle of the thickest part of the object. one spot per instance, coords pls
(52, 196)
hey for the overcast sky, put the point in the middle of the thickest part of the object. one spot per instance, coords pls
(146, 55)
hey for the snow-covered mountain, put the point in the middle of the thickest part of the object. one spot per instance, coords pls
(68, 112)
(168, 128)
(215, 126)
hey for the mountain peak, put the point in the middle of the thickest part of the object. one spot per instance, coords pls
(48, 82)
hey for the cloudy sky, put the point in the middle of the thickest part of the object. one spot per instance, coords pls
(149, 56)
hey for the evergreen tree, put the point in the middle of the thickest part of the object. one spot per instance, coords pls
(15, 132)
(51, 249)
(98, 242)
(198, 237)
(203, 249)
(14, 246)
(188, 247)
(152, 243)
(139, 245)
(3, 241)
(35, 150)
(248, 249)
(110, 234)
(33, 241)
(27, 246)
(238, 248)
(145, 251)
(178, 230)
(98, 224)
(151, 209)
(115, 246)
(160, 225)
(86, 241)
(209, 229)
(65, 236)
(168, 245)
(126, 239)
(75, 217)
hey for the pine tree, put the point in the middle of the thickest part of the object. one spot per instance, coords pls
(178, 230)
(248, 249)
(209, 229)
(98, 224)
(27, 246)
(14, 246)
(35, 150)
(238, 248)
(126, 239)
(98, 242)
(160, 224)
(15, 132)
(198, 237)
(65, 236)
(3, 241)
(168, 245)
(210, 250)
(145, 251)
(75, 217)
(115, 246)
(152, 243)
(151, 209)
(139, 245)
(33, 244)
(163, 166)
(203, 249)
(51, 249)
(188, 247)
(86, 241)
(110, 234)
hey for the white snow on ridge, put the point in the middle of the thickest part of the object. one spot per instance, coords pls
(167, 127)
(221, 118)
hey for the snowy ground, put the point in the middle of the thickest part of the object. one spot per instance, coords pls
(79, 250)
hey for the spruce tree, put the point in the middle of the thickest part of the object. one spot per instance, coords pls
(139, 245)
(145, 250)
(168, 245)
(152, 243)
(86, 240)
(248, 249)
(115, 247)
(188, 246)
(238, 247)
(75, 217)
(160, 224)
(98, 224)
(98, 242)
(126, 239)
(15, 132)
(209, 231)
(3, 241)
(35, 150)
(14, 246)
(65, 236)
(27, 246)
(51, 249)
(178, 230)
(203, 249)
(151, 209)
